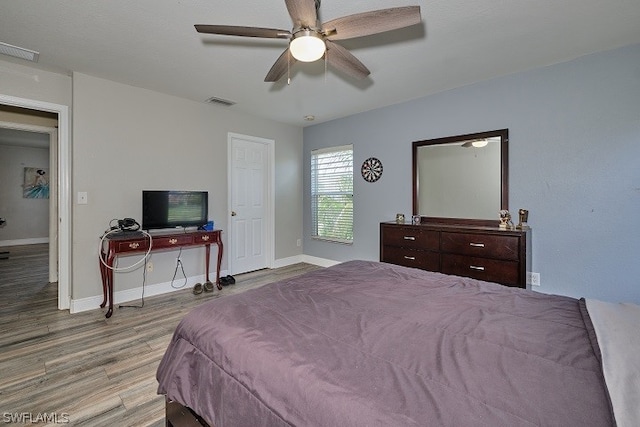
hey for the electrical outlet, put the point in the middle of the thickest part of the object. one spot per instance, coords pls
(298, 242)
(149, 267)
(533, 279)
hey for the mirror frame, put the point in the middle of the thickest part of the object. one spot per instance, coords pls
(504, 175)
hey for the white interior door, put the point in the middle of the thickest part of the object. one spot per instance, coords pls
(250, 194)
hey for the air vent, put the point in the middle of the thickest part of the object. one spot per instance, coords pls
(19, 52)
(220, 101)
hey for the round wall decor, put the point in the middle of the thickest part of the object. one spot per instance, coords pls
(371, 169)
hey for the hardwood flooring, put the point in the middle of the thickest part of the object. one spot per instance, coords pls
(83, 369)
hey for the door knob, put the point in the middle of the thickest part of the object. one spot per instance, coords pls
(233, 213)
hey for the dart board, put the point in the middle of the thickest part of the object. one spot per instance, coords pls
(371, 169)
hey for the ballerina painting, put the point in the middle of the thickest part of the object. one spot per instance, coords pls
(36, 183)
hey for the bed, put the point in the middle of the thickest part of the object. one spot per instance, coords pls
(373, 344)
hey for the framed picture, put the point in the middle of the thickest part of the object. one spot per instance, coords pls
(36, 183)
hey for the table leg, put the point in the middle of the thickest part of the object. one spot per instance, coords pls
(103, 274)
(207, 255)
(219, 243)
(110, 259)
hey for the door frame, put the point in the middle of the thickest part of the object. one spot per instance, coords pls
(64, 190)
(269, 199)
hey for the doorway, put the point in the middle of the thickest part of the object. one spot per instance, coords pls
(60, 220)
(251, 195)
(28, 145)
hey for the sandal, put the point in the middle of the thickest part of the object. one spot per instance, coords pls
(208, 286)
(197, 289)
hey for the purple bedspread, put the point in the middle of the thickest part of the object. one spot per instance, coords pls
(373, 344)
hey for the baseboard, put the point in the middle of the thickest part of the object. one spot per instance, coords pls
(284, 262)
(20, 242)
(128, 295)
(322, 262)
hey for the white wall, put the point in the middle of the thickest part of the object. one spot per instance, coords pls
(574, 131)
(27, 219)
(127, 139)
(27, 82)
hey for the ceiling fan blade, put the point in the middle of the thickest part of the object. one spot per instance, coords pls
(280, 67)
(374, 22)
(230, 30)
(303, 13)
(343, 60)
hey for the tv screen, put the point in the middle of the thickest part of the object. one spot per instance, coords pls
(170, 209)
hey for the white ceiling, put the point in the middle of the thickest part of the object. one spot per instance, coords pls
(153, 44)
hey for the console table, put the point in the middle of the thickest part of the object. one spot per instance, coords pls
(124, 245)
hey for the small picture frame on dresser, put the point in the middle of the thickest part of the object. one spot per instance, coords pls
(415, 220)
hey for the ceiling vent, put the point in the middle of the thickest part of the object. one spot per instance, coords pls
(220, 101)
(19, 52)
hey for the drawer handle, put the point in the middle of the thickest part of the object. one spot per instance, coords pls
(477, 245)
(475, 267)
(173, 241)
(134, 245)
(205, 238)
(409, 238)
(412, 258)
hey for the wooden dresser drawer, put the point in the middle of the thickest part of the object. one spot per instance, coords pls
(425, 260)
(490, 270)
(411, 237)
(481, 245)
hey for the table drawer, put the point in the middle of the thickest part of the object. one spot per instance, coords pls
(490, 270)
(204, 237)
(425, 260)
(173, 240)
(411, 237)
(481, 245)
(129, 246)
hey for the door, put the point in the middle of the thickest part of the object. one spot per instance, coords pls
(250, 194)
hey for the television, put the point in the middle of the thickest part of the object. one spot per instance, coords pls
(171, 209)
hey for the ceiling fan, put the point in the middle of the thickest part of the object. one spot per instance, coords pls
(309, 40)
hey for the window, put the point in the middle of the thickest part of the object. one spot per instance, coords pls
(332, 193)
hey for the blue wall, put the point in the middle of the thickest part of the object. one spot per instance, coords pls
(574, 163)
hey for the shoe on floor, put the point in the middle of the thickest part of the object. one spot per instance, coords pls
(197, 289)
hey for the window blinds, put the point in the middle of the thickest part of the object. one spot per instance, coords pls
(332, 193)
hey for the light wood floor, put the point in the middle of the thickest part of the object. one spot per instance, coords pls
(82, 367)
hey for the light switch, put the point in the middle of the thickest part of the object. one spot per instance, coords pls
(82, 198)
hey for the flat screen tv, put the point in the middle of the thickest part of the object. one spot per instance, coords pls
(171, 209)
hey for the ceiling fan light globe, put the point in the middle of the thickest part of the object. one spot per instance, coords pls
(307, 47)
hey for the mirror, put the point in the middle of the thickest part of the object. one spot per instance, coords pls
(461, 179)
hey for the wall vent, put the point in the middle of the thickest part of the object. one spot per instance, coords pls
(19, 52)
(220, 101)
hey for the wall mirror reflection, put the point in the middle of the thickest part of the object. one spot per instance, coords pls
(462, 177)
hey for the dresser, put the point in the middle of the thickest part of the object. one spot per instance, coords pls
(482, 252)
